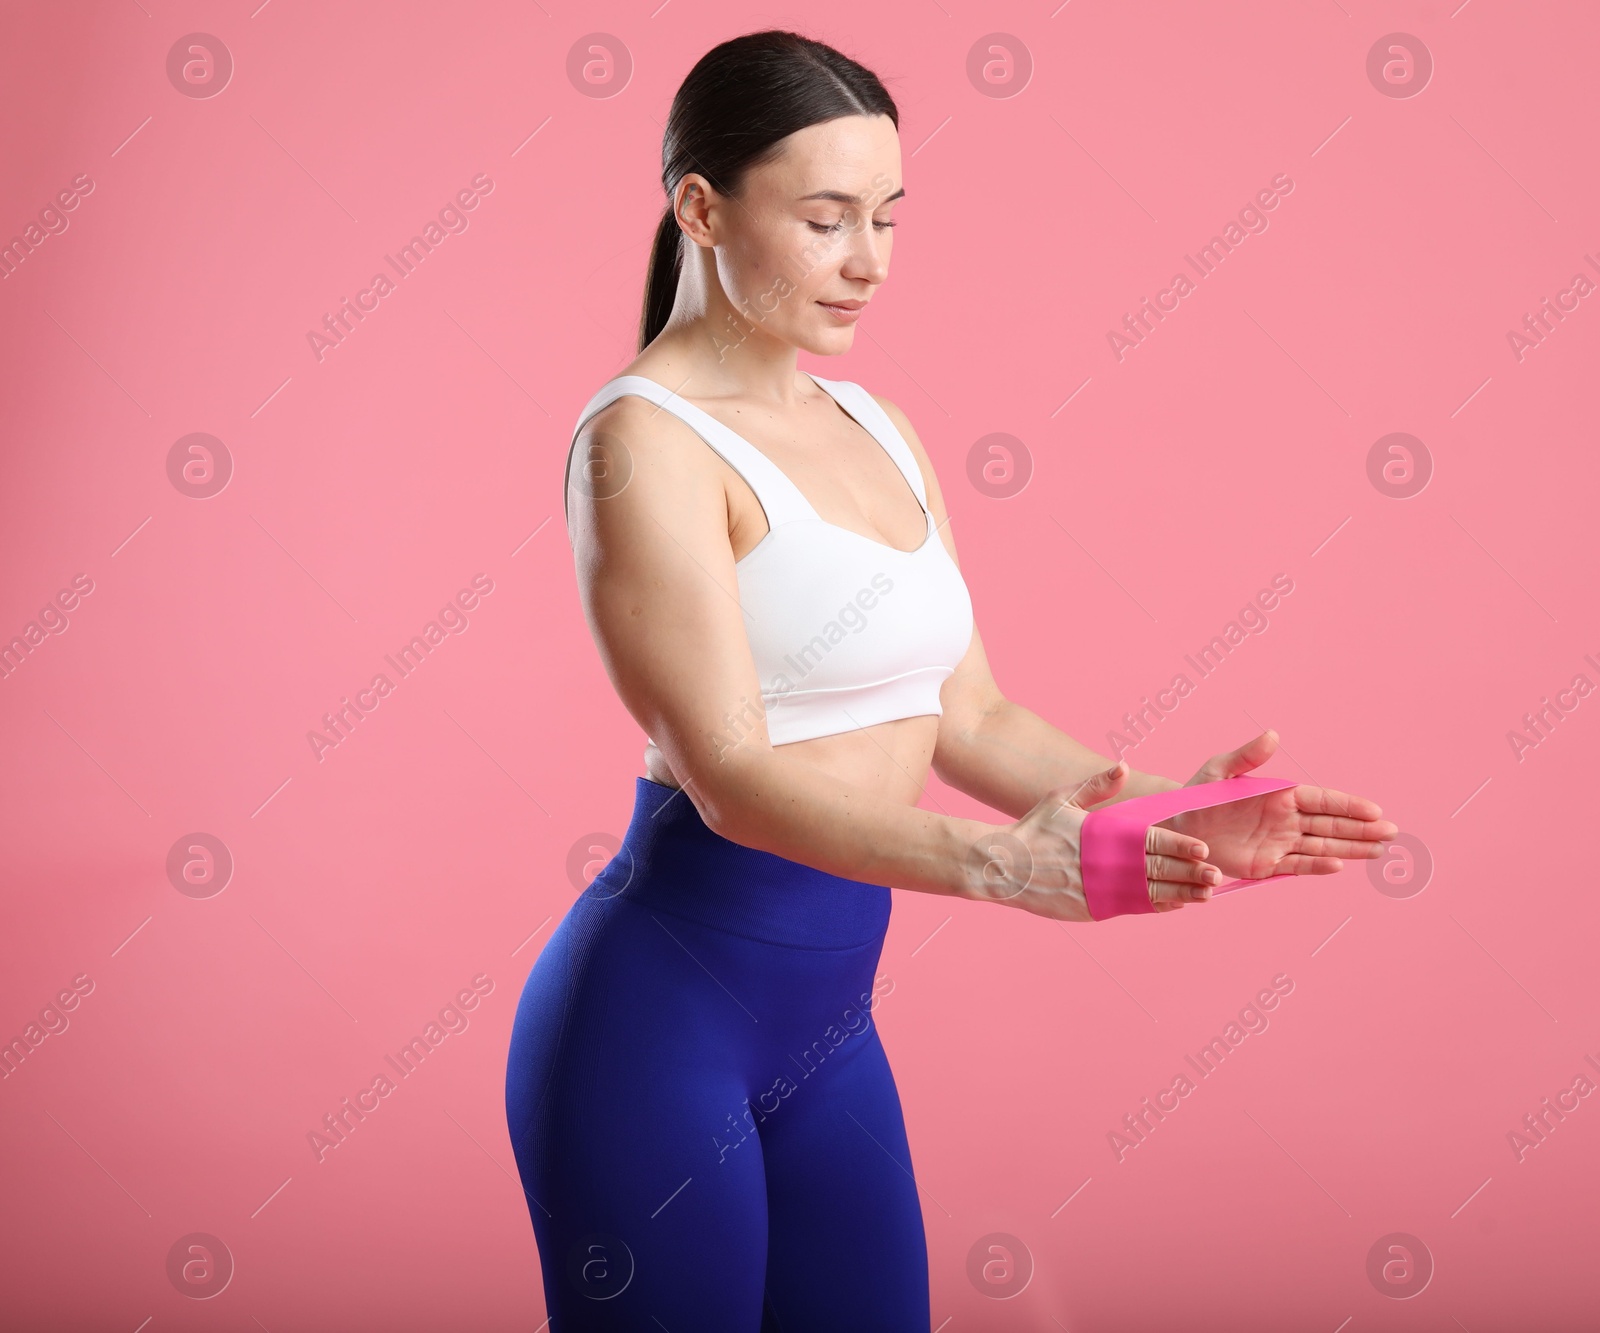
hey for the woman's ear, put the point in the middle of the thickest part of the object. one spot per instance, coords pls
(692, 205)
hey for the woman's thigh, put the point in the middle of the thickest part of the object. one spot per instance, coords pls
(846, 1248)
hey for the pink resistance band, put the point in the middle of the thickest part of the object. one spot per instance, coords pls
(1113, 864)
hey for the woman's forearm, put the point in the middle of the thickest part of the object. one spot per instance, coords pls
(762, 799)
(1008, 760)
(1011, 756)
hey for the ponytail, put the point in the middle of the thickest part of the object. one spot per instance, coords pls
(661, 280)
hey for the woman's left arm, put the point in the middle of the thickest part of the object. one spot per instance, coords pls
(1008, 757)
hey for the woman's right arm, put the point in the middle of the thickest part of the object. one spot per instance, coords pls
(648, 521)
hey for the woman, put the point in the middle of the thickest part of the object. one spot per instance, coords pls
(705, 1123)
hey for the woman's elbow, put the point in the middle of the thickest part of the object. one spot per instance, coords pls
(720, 785)
(960, 736)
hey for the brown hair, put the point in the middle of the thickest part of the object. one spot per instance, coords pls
(732, 112)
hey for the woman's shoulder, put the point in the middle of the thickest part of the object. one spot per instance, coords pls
(887, 406)
(897, 418)
(902, 426)
(612, 407)
(624, 406)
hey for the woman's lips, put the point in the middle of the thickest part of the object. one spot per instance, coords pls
(843, 313)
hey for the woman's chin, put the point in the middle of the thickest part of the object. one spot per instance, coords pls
(834, 341)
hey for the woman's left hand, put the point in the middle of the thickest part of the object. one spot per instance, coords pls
(1296, 831)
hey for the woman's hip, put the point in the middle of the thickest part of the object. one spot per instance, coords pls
(672, 862)
(689, 948)
(653, 989)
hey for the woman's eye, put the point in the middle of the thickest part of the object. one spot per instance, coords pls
(825, 229)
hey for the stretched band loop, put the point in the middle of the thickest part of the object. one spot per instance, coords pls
(1114, 878)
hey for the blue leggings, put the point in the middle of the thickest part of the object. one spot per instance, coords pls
(707, 1130)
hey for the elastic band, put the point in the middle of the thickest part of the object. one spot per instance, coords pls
(1113, 850)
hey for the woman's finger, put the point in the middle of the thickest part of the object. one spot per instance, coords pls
(1169, 842)
(1327, 801)
(1337, 826)
(1179, 871)
(1176, 893)
(1340, 847)
(1310, 865)
(1326, 847)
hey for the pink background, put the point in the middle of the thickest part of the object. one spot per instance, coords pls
(370, 886)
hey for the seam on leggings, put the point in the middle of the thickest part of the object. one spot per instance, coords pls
(755, 939)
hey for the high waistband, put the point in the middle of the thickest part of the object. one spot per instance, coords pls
(671, 861)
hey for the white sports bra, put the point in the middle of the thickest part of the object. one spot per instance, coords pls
(846, 631)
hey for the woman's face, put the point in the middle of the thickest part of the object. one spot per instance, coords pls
(808, 241)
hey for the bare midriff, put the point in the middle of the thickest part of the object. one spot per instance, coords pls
(889, 759)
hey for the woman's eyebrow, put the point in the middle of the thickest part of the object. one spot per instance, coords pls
(840, 197)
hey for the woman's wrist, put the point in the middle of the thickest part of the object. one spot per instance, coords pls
(999, 867)
(973, 857)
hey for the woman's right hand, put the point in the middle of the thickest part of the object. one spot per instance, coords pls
(1036, 863)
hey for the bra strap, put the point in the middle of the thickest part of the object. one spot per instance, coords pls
(779, 497)
(865, 409)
